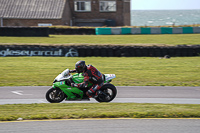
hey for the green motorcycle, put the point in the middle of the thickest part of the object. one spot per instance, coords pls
(62, 89)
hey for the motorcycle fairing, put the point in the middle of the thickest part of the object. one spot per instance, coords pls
(73, 93)
(109, 77)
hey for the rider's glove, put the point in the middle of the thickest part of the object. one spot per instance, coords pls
(74, 85)
(70, 71)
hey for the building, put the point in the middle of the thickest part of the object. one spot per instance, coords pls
(65, 12)
(96, 12)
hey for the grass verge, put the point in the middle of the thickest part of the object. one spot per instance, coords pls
(146, 40)
(97, 110)
(133, 71)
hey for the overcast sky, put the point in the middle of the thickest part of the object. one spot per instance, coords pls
(164, 4)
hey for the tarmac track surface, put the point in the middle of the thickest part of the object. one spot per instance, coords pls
(104, 126)
(126, 94)
(137, 94)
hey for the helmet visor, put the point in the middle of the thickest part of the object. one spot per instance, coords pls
(79, 69)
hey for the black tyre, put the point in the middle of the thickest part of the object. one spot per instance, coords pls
(55, 95)
(107, 93)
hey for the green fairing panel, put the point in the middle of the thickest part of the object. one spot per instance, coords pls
(71, 92)
(78, 78)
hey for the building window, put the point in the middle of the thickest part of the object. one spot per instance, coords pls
(107, 6)
(82, 6)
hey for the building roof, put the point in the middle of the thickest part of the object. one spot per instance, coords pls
(32, 9)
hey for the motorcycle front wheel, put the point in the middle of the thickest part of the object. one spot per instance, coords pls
(55, 95)
(106, 93)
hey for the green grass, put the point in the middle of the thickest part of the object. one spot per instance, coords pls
(133, 71)
(141, 71)
(97, 110)
(164, 39)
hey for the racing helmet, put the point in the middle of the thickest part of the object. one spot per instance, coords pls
(80, 66)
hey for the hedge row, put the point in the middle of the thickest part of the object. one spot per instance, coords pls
(69, 31)
(43, 31)
(24, 31)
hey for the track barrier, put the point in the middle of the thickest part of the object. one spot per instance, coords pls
(99, 51)
(153, 30)
(45, 31)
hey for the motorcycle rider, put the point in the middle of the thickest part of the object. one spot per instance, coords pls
(90, 74)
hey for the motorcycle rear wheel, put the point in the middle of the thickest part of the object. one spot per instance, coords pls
(55, 95)
(108, 93)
